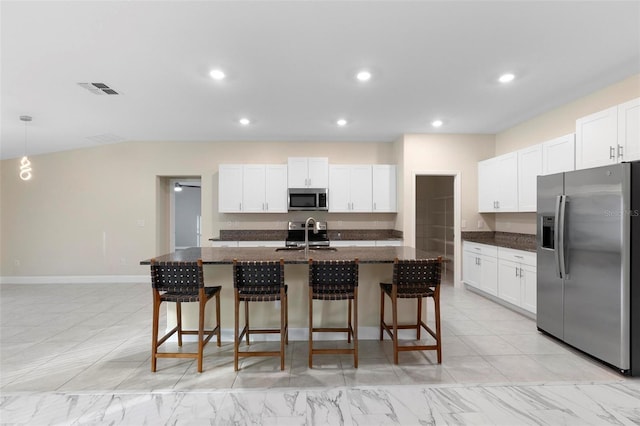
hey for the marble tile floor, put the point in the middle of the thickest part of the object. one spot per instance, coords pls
(68, 355)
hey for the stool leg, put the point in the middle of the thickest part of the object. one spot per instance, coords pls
(436, 300)
(218, 316)
(179, 321)
(419, 319)
(202, 306)
(355, 327)
(286, 317)
(394, 310)
(310, 327)
(236, 331)
(246, 319)
(381, 313)
(154, 333)
(283, 302)
(349, 326)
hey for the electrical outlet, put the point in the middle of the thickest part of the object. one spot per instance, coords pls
(480, 224)
(140, 223)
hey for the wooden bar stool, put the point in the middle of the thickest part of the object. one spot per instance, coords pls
(259, 282)
(334, 280)
(413, 279)
(181, 282)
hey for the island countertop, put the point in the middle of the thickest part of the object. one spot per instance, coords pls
(225, 255)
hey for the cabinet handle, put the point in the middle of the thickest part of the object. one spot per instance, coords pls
(520, 272)
(374, 206)
(612, 153)
(620, 152)
(240, 206)
(519, 257)
(516, 271)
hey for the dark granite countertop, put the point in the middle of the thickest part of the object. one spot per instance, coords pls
(225, 255)
(526, 242)
(281, 235)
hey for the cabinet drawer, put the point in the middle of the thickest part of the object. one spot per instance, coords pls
(478, 248)
(518, 256)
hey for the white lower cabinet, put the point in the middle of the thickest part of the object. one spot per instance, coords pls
(479, 267)
(506, 273)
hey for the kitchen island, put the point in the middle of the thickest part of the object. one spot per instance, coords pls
(376, 265)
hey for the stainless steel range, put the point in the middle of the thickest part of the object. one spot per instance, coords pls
(296, 231)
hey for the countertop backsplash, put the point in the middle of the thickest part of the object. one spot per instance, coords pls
(278, 234)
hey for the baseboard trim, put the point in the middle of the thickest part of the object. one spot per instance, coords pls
(76, 279)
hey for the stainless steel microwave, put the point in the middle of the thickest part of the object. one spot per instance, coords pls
(308, 199)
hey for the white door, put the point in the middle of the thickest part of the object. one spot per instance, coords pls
(509, 281)
(297, 173)
(275, 194)
(529, 288)
(360, 188)
(487, 186)
(629, 131)
(230, 188)
(318, 172)
(506, 168)
(253, 188)
(597, 139)
(489, 274)
(339, 198)
(559, 155)
(384, 188)
(529, 168)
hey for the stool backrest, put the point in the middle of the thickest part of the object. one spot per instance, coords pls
(258, 276)
(417, 273)
(333, 275)
(177, 277)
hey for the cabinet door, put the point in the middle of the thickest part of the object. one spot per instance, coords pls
(597, 139)
(384, 188)
(275, 193)
(509, 281)
(297, 172)
(318, 172)
(528, 280)
(559, 155)
(487, 184)
(230, 188)
(529, 168)
(470, 269)
(489, 274)
(629, 131)
(339, 200)
(506, 169)
(253, 188)
(360, 188)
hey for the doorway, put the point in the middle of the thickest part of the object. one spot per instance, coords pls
(186, 213)
(435, 218)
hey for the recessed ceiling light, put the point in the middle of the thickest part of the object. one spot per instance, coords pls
(506, 78)
(436, 123)
(217, 74)
(244, 121)
(341, 122)
(363, 76)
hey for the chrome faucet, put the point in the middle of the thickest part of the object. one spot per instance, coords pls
(306, 234)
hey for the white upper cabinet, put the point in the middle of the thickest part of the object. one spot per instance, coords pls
(384, 188)
(609, 136)
(559, 155)
(529, 168)
(629, 131)
(252, 188)
(230, 188)
(498, 184)
(308, 172)
(350, 188)
(597, 139)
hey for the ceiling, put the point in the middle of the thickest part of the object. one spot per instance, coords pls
(290, 68)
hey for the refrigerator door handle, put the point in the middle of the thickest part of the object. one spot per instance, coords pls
(560, 250)
(556, 236)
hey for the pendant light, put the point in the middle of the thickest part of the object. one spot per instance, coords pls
(25, 164)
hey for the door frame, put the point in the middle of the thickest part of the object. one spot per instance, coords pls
(457, 245)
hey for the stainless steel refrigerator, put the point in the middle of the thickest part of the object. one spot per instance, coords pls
(588, 263)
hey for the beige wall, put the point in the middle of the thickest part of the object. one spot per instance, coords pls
(99, 211)
(552, 124)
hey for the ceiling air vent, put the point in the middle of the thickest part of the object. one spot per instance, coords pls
(98, 88)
